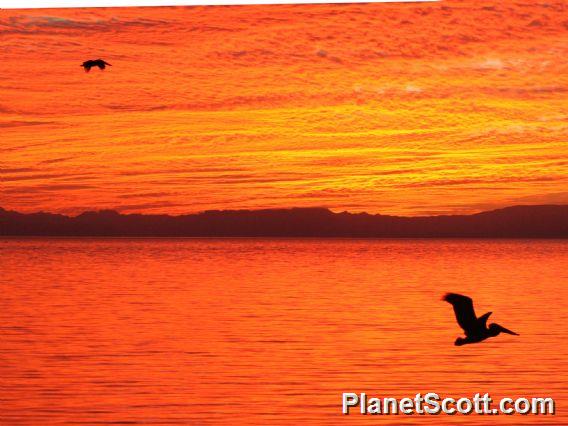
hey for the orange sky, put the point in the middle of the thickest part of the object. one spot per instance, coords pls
(450, 107)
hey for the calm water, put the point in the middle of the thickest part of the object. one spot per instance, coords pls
(271, 331)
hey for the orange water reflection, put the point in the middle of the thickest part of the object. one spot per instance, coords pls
(270, 331)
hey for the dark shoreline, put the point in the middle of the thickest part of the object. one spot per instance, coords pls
(516, 222)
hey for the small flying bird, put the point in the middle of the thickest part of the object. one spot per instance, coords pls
(95, 63)
(475, 329)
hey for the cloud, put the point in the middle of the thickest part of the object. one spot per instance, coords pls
(23, 123)
(324, 54)
(17, 170)
(490, 64)
(552, 198)
(20, 190)
(32, 23)
(56, 160)
(411, 88)
(36, 176)
(477, 182)
(146, 195)
(147, 206)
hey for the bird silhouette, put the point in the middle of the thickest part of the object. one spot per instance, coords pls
(95, 63)
(475, 329)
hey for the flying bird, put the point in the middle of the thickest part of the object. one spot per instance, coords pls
(475, 329)
(95, 63)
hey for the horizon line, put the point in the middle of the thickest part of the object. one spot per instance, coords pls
(275, 209)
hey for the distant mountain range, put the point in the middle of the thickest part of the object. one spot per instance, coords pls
(544, 221)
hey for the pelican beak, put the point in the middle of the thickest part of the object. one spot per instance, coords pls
(505, 330)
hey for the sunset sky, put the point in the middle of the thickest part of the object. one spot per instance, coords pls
(410, 109)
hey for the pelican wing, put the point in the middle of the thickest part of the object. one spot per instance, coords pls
(465, 314)
(482, 320)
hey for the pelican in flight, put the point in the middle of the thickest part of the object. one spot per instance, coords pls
(95, 63)
(475, 329)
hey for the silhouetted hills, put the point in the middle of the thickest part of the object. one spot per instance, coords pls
(546, 221)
